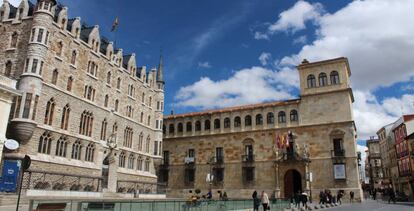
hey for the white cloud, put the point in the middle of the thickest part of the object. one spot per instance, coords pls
(373, 34)
(300, 40)
(204, 65)
(246, 86)
(264, 58)
(295, 18)
(12, 2)
(261, 36)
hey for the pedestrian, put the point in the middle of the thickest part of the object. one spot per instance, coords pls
(256, 201)
(209, 195)
(339, 196)
(265, 201)
(391, 195)
(225, 198)
(321, 197)
(220, 195)
(297, 199)
(304, 199)
(351, 198)
(374, 194)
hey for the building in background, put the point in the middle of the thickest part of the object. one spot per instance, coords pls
(403, 130)
(87, 113)
(374, 163)
(7, 93)
(305, 144)
(385, 143)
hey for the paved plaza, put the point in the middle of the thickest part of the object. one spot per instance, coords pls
(371, 205)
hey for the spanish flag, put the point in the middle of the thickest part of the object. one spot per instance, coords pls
(115, 24)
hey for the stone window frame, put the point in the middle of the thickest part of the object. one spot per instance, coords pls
(171, 129)
(90, 152)
(207, 124)
(311, 81)
(131, 161)
(122, 160)
(14, 40)
(55, 77)
(141, 142)
(248, 121)
(198, 125)
(227, 122)
(217, 124)
(64, 123)
(69, 84)
(323, 79)
(104, 127)
(294, 115)
(270, 118)
(86, 123)
(237, 121)
(49, 113)
(281, 117)
(76, 150)
(8, 67)
(334, 76)
(259, 119)
(45, 143)
(189, 127)
(61, 147)
(180, 127)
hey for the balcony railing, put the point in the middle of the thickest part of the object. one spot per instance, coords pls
(338, 153)
(248, 158)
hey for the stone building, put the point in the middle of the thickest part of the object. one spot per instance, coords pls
(388, 155)
(86, 112)
(374, 163)
(305, 144)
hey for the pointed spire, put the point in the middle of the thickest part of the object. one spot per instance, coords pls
(160, 71)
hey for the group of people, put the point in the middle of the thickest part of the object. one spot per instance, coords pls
(300, 198)
(326, 197)
(263, 200)
(387, 193)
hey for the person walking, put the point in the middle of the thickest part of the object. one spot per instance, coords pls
(265, 201)
(304, 199)
(351, 196)
(338, 197)
(374, 194)
(297, 199)
(256, 201)
(391, 195)
(321, 197)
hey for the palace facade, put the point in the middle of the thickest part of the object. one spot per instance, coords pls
(88, 117)
(239, 148)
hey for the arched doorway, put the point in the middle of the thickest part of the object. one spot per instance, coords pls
(293, 183)
(105, 172)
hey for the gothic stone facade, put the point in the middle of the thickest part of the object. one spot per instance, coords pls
(237, 144)
(79, 93)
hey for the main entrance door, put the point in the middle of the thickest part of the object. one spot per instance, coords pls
(293, 183)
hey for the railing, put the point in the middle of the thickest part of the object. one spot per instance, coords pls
(136, 187)
(248, 158)
(42, 180)
(160, 205)
(338, 153)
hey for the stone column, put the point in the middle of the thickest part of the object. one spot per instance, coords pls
(277, 191)
(307, 188)
(112, 174)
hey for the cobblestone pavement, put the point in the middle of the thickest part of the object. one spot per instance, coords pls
(371, 205)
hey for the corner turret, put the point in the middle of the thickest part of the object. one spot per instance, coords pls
(160, 74)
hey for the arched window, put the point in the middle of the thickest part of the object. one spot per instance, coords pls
(76, 150)
(50, 110)
(122, 158)
(65, 117)
(259, 119)
(40, 35)
(207, 125)
(55, 75)
(69, 84)
(73, 58)
(89, 93)
(45, 142)
(128, 134)
(197, 126)
(116, 105)
(61, 147)
(115, 128)
(108, 78)
(86, 123)
(334, 78)
(147, 165)
(8, 69)
(142, 117)
(140, 141)
(118, 83)
(90, 151)
(131, 161)
(248, 120)
(227, 123)
(147, 144)
(143, 98)
(171, 129)
(149, 120)
(103, 130)
(140, 163)
(237, 121)
(13, 41)
(294, 116)
(180, 127)
(59, 49)
(270, 118)
(106, 100)
(323, 79)
(311, 81)
(92, 68)
(217, 124)
(281, 117)
(189, 127)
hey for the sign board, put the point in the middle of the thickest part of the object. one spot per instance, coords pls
(11, 144)
(10, 175)
(339, 171)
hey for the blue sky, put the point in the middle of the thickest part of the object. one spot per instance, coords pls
(221, 53)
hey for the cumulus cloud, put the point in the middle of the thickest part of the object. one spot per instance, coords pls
(261, 36)
(379, 45)
(300, 40)
(264, 58)
(205, 65)
(246, 86)
(295, 18)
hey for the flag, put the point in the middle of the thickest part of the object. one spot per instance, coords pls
(287, 140)
(115, 24)
(278, 141)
